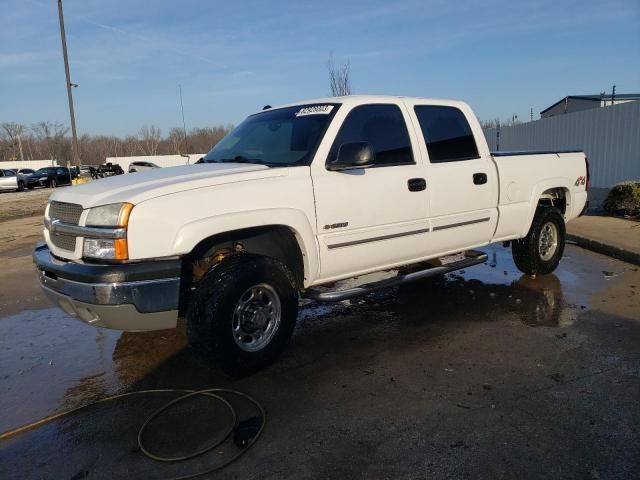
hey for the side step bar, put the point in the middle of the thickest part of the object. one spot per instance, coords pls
(473, 258)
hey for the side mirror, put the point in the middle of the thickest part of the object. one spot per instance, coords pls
(353, 155)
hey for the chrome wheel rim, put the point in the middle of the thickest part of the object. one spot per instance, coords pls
(256, 317)
(548, 242)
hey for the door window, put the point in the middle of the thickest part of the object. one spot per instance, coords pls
(383, 127)
(447, 134)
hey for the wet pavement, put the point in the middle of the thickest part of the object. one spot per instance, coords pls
(483, 374)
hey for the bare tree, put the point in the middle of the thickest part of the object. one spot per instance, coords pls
(13, 132)
(486, 124)
(150, 139)
(176, 140)
(54, 140)
(339, 78)
(50, 140)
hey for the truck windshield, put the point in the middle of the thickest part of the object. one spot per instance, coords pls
(281, 137)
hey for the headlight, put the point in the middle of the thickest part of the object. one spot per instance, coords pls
(113, 215)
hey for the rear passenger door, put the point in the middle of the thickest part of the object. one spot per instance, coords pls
(461, 177)
(370, 216)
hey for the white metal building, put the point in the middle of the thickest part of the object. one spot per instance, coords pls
(609, 136)
(575, 103)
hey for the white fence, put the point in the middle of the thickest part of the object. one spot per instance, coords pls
(160, 160)
(610, 136)
(33, 164)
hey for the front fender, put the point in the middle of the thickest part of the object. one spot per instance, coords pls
(190, 234)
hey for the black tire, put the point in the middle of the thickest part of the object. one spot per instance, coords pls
(527, 252)
(53, 183)
(210, 313)
(21, 186)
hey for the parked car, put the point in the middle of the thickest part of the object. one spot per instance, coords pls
(291, 201)
(48, 177)
(106, 170)
(141, 166)
(9, 180)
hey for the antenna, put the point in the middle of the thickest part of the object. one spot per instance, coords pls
(184, 127)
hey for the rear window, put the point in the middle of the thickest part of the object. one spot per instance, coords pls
(447, 134)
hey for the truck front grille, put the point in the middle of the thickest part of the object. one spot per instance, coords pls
(65, 242)
(65, 212)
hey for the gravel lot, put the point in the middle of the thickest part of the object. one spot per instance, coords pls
(23, 204)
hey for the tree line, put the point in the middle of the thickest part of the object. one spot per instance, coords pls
(51, 140)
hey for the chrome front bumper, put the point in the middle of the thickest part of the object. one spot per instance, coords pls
(132, 297)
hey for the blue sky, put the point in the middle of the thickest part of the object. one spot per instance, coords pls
(232, 57)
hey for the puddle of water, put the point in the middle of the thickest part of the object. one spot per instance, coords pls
(496, 287)
(51, 361)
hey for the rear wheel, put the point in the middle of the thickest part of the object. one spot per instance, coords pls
(243, 313)
(20, 186)
(540, 251)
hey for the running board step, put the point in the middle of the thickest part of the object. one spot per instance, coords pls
(323, 295)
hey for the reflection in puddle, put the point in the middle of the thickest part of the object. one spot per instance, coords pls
(485, 292)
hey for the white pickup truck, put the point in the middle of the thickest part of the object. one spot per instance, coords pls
(292, 200)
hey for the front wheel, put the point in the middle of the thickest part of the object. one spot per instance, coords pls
(53, 183)
(539, 253)
(243, 313)
(21, 186)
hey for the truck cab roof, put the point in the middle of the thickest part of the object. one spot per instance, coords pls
(365, 99)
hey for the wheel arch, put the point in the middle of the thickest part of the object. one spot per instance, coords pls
(207, 242)
(556, 192)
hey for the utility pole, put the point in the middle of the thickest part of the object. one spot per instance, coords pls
(532, 114)
(74, 144)
(613, 94)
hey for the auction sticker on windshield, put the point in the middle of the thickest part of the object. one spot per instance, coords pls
(315, 110)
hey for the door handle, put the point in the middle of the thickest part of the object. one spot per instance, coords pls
(479, 178)
(416, 184)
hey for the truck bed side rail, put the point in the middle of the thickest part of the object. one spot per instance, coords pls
(508, 153)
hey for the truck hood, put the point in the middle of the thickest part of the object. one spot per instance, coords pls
(138, 187)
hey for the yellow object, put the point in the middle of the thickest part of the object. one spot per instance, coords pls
(78, 181)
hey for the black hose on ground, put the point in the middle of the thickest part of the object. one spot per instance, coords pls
(245, 438)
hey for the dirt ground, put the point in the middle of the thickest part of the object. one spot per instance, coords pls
(23, 204)
(486, 374)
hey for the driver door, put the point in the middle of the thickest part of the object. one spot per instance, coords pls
(375, 215)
